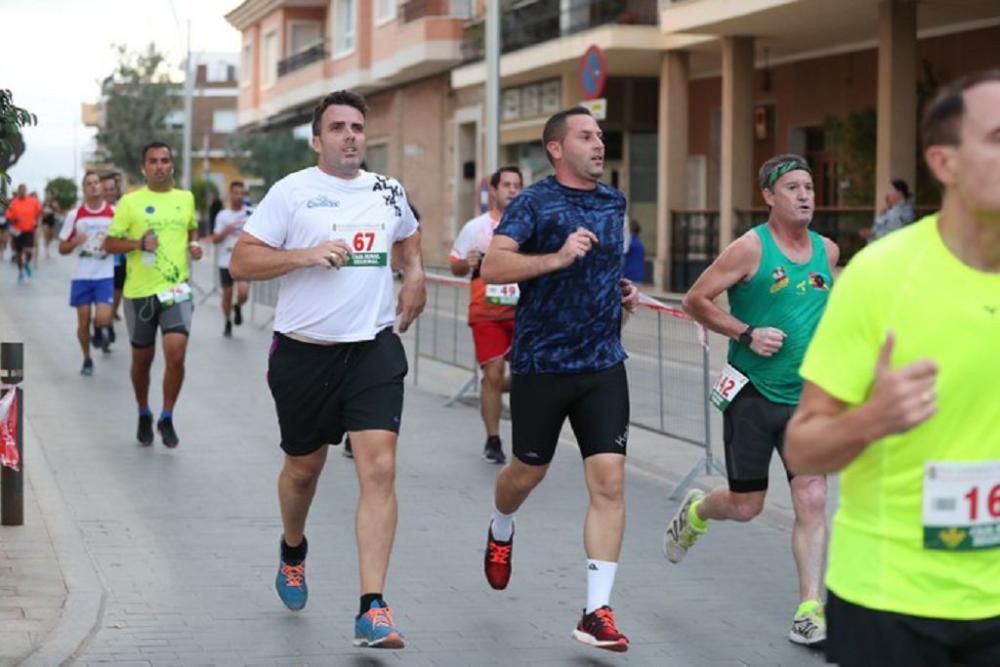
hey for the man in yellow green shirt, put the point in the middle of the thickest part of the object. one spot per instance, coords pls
(156, 226)
(900, 396)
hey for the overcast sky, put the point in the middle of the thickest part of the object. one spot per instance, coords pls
(55, 52)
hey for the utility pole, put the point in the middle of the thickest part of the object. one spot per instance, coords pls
(188, 115)
(492, 86)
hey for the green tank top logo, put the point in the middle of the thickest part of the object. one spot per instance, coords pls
(787, 296)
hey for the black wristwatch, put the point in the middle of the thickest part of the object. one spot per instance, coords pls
(747, 336)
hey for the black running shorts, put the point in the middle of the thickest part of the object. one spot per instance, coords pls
(861, 637)
(752, 428)
(120, 274)
(23, 241)
(595, 403)
(225, 278)
(145, 315)
(323, 391)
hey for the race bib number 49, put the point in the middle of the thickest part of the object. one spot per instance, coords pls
(369, 244)
(503, 295)
(961, 505)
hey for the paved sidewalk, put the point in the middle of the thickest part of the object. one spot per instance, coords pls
(181, 545)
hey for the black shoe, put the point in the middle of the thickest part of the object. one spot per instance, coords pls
(228, 331)
(348, 452)
(97, 340)
(88, 367)
(167, 433)
(493, 451)
(145, 433)
(111, 335)
(237, 315)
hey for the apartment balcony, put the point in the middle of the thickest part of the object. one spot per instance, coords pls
(297, 61)
(414, 10)
(529, 22)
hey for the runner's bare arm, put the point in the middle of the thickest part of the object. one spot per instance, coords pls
(413, 294)
(505, 264)
(255, 260)
(194, 248)
(736, 263)
(461, 267)
(824, 434)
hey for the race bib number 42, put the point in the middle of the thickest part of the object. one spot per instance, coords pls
(369, 244)
(730, 382)
(503, 295)
(962, 505)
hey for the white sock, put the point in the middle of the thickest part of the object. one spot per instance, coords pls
(502, 525)
(600, 581)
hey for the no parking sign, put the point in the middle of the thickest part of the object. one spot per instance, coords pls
(593, 72)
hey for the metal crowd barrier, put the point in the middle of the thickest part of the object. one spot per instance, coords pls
(442, 332)
(668, 365)
(264, 296)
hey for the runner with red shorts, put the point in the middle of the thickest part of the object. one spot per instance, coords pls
(491, 307)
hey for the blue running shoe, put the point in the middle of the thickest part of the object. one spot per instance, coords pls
(291, 585)
(376, 629)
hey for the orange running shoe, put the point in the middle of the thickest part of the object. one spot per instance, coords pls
(497, 562)
(598, 629)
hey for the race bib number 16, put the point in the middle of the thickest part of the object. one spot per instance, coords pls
(369, 244)
(961, 505)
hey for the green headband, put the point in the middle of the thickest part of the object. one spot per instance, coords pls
(783, 169)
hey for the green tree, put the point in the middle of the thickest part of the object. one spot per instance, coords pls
(270, 155)
(137, 98)
(12, 119)
(63, 190)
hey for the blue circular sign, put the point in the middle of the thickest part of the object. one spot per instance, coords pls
(593, 73)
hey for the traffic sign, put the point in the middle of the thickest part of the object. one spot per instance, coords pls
(593, 72)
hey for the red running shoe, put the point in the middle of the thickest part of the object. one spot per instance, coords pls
(497, 562)
(598, 629)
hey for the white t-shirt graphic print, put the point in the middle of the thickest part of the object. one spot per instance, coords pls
(93, 263)
(369, 213)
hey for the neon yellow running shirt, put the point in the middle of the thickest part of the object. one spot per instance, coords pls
(171, 216)
(887, 552)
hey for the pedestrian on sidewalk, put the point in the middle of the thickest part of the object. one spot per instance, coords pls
(777, 277)
(156, 226)
(491, 307)
(229, 224)
(563, 241)
(903, 404)
(336, 366)
(91, 291)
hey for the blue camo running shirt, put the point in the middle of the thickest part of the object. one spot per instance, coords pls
(568, 321)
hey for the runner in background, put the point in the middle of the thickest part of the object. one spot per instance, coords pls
(83, 231)
(228, 227)
(491, 307)
(777, 277)
(111, 191)
(23, 214)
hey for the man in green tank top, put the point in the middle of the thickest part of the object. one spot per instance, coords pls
(900, 398)
(778, 276)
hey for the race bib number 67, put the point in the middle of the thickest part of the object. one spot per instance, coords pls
(961, 505)
(369, 244)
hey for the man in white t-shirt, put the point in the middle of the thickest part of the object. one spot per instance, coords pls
(336, 366)
(92, 288)
(491, 307)
(229, 223)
